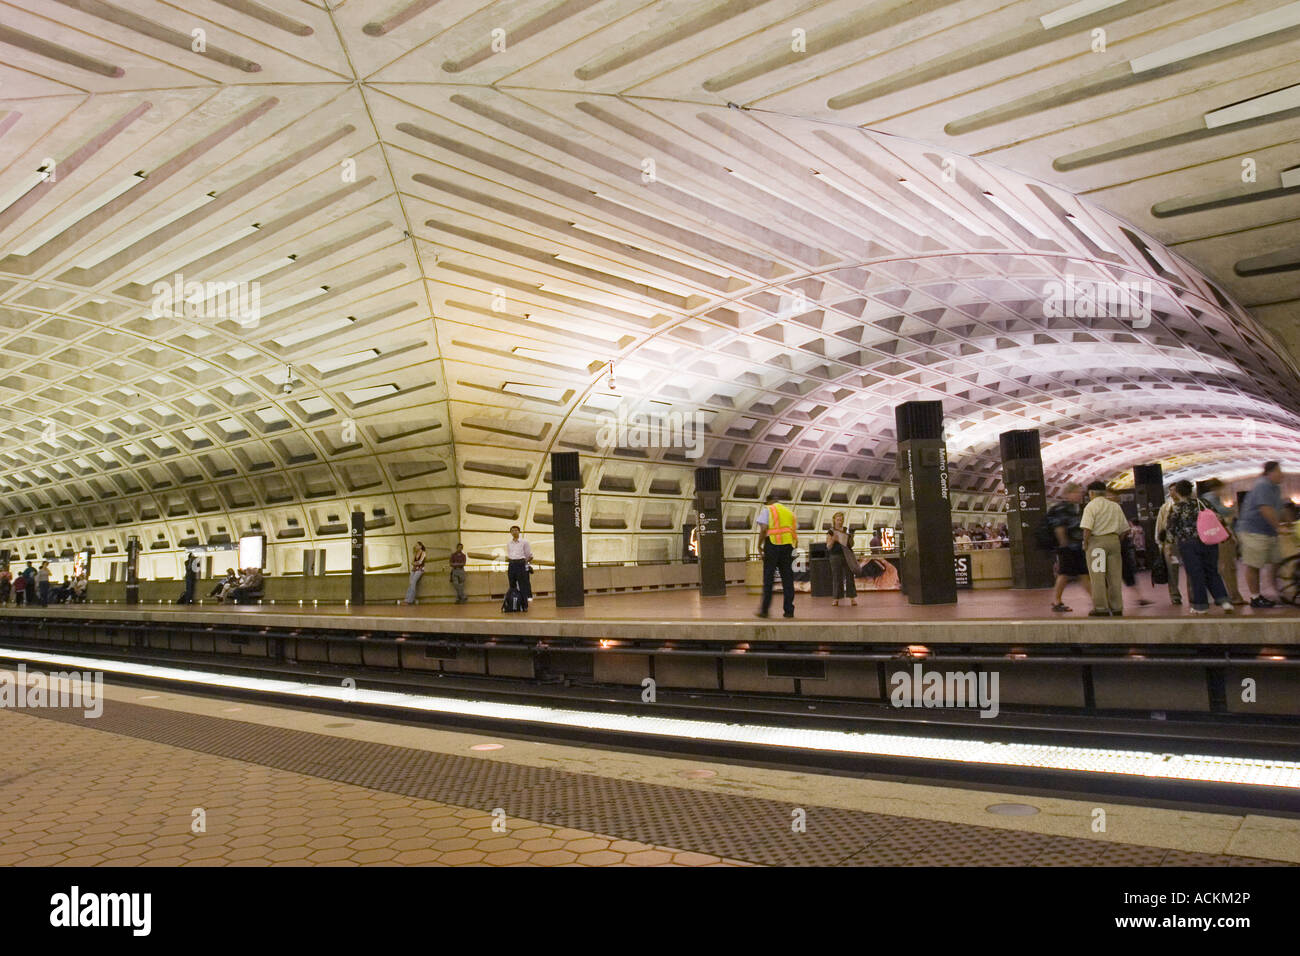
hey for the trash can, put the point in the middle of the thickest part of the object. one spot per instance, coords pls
(819, 570)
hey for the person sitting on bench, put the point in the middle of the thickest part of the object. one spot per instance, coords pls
(225, 585)
(250, 587)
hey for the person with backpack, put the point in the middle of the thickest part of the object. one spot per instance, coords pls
(1060, 534)
(1169, 550)
(518, 553)
(1191, 523)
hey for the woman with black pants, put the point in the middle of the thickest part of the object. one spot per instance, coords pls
(1200, 560)
(844, 567)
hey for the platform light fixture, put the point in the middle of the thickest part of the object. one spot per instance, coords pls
(1168, 766)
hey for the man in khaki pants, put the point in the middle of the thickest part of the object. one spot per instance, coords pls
(1103, 524)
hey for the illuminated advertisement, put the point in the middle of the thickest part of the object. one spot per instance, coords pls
(252, 551)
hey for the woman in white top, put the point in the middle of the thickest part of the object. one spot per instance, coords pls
(844, 566)
(417, 571)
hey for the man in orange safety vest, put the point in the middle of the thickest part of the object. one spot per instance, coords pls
(777, 536)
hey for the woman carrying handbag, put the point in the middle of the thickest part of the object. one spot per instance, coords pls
(844, 566)
(1197, 532)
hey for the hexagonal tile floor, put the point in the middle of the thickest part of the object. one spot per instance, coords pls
(145, 785)
(72, 796)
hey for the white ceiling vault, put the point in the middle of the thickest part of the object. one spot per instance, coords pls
(778, 219)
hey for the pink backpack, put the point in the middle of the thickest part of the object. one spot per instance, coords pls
(1209, 528)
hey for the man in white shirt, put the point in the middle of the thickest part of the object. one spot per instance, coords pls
(1104, 524)
(519, 552)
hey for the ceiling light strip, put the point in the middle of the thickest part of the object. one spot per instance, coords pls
(129, 237)
(1282, 18)
(62, 225)
(1278, 101)
(1076, 11)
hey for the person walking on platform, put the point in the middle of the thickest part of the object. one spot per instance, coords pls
(1173, 560)
(457, 562)
(1062, 520)
(417, 572)
(778, 534)
(1257, 528)
(6, 582)
(844, 566)
(519, 553)
(1104, 524)
(1200, 559)
(1228, 549)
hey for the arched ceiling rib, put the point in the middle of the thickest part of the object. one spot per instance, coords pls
(686, 192)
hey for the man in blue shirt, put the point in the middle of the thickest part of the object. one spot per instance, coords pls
(1257, 528)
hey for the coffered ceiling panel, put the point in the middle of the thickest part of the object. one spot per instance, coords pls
(265, 263)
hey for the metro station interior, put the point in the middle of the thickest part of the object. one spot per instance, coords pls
(305, 304)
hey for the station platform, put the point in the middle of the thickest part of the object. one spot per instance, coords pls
(163, 778)
(979, 617)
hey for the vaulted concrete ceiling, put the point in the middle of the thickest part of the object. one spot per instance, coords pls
(787, 217)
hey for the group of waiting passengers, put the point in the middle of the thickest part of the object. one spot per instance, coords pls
(241, 588)
(33, 586)
(1199, 534)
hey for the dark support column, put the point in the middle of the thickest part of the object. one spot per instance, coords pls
(708, 513)
(924, 505)
(132, 570)
(566, 524)
(1148, 495)
(358, 557)
(1022, 476)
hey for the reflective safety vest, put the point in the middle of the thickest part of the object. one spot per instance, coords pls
(781, 525)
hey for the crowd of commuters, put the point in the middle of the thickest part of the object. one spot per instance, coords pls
(1199, 541)
(34, 585)
(979, 537)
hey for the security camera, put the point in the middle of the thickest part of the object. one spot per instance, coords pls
(287, 388)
